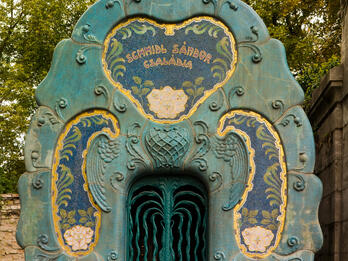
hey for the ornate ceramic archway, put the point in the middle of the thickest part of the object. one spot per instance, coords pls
(187, 85)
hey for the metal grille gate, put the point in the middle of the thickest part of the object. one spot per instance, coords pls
(167, 220)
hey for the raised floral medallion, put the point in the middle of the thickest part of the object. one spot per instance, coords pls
(260, 215)
(168, 70)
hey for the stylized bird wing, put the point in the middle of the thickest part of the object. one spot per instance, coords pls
(232, 149)
(101, 152)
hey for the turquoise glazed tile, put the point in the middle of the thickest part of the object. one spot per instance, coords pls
(157, 115)
(42, 136)
(302, 232)
(35, 225)
(267, 87)
(64, 90)
(169, 10)
(94, 25)
(245, 24)
(294, 127)
(35, 252)
(298, 256)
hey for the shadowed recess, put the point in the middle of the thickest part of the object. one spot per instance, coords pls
(167, 218)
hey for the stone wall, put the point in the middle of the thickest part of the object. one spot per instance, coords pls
(9, 215)
(329, 117)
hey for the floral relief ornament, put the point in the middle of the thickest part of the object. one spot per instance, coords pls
(78, 237)
(166, 102)
(257, 238)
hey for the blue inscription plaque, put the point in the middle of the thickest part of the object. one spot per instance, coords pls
(169, 70)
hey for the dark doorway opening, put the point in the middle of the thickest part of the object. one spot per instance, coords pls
(167, 219)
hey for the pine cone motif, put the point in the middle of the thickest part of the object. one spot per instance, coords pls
(168, 146)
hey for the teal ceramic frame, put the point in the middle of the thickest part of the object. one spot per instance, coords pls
(261, 84)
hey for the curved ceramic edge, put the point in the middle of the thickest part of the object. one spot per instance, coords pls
(41, 138)
(169, 11)
(77, 56)
(62, 90)
(302, 232)
(298, 256)
(244, 22)
(96, 22)
(35, 226)
(74, 83)
(100, 18)
(267, 87)
(295, 131)
(35, 253)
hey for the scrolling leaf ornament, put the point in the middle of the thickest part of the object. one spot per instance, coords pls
(204, 145)
(38, 182)
(219, 255)
(216, 105)
(232, 149)
(113, 255)
(249, 43)
(278, 105)
(218, 5)
(111, 4)
(300, 184)
(216, 178)
(81, 57)
(43, 241)
(231, 3)
(101, 90)
(131, 147)
(119, 104)
(286, 121)
(237, 90)
(61, 104)
(84, 32)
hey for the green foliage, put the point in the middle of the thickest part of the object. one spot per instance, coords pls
(312, 74)
(64, 181)
(249, 216)
(310, 31)
(270, 219)
(30, 29)
(195, 88)
(274, 189)
(141, 89)
(87, 217)
(67, 218)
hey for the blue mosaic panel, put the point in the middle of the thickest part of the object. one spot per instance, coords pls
(76, 216)
(168, 70)
(260, 216)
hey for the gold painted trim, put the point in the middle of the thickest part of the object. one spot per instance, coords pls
(283, 173)
(172, 28)
(59, 147)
